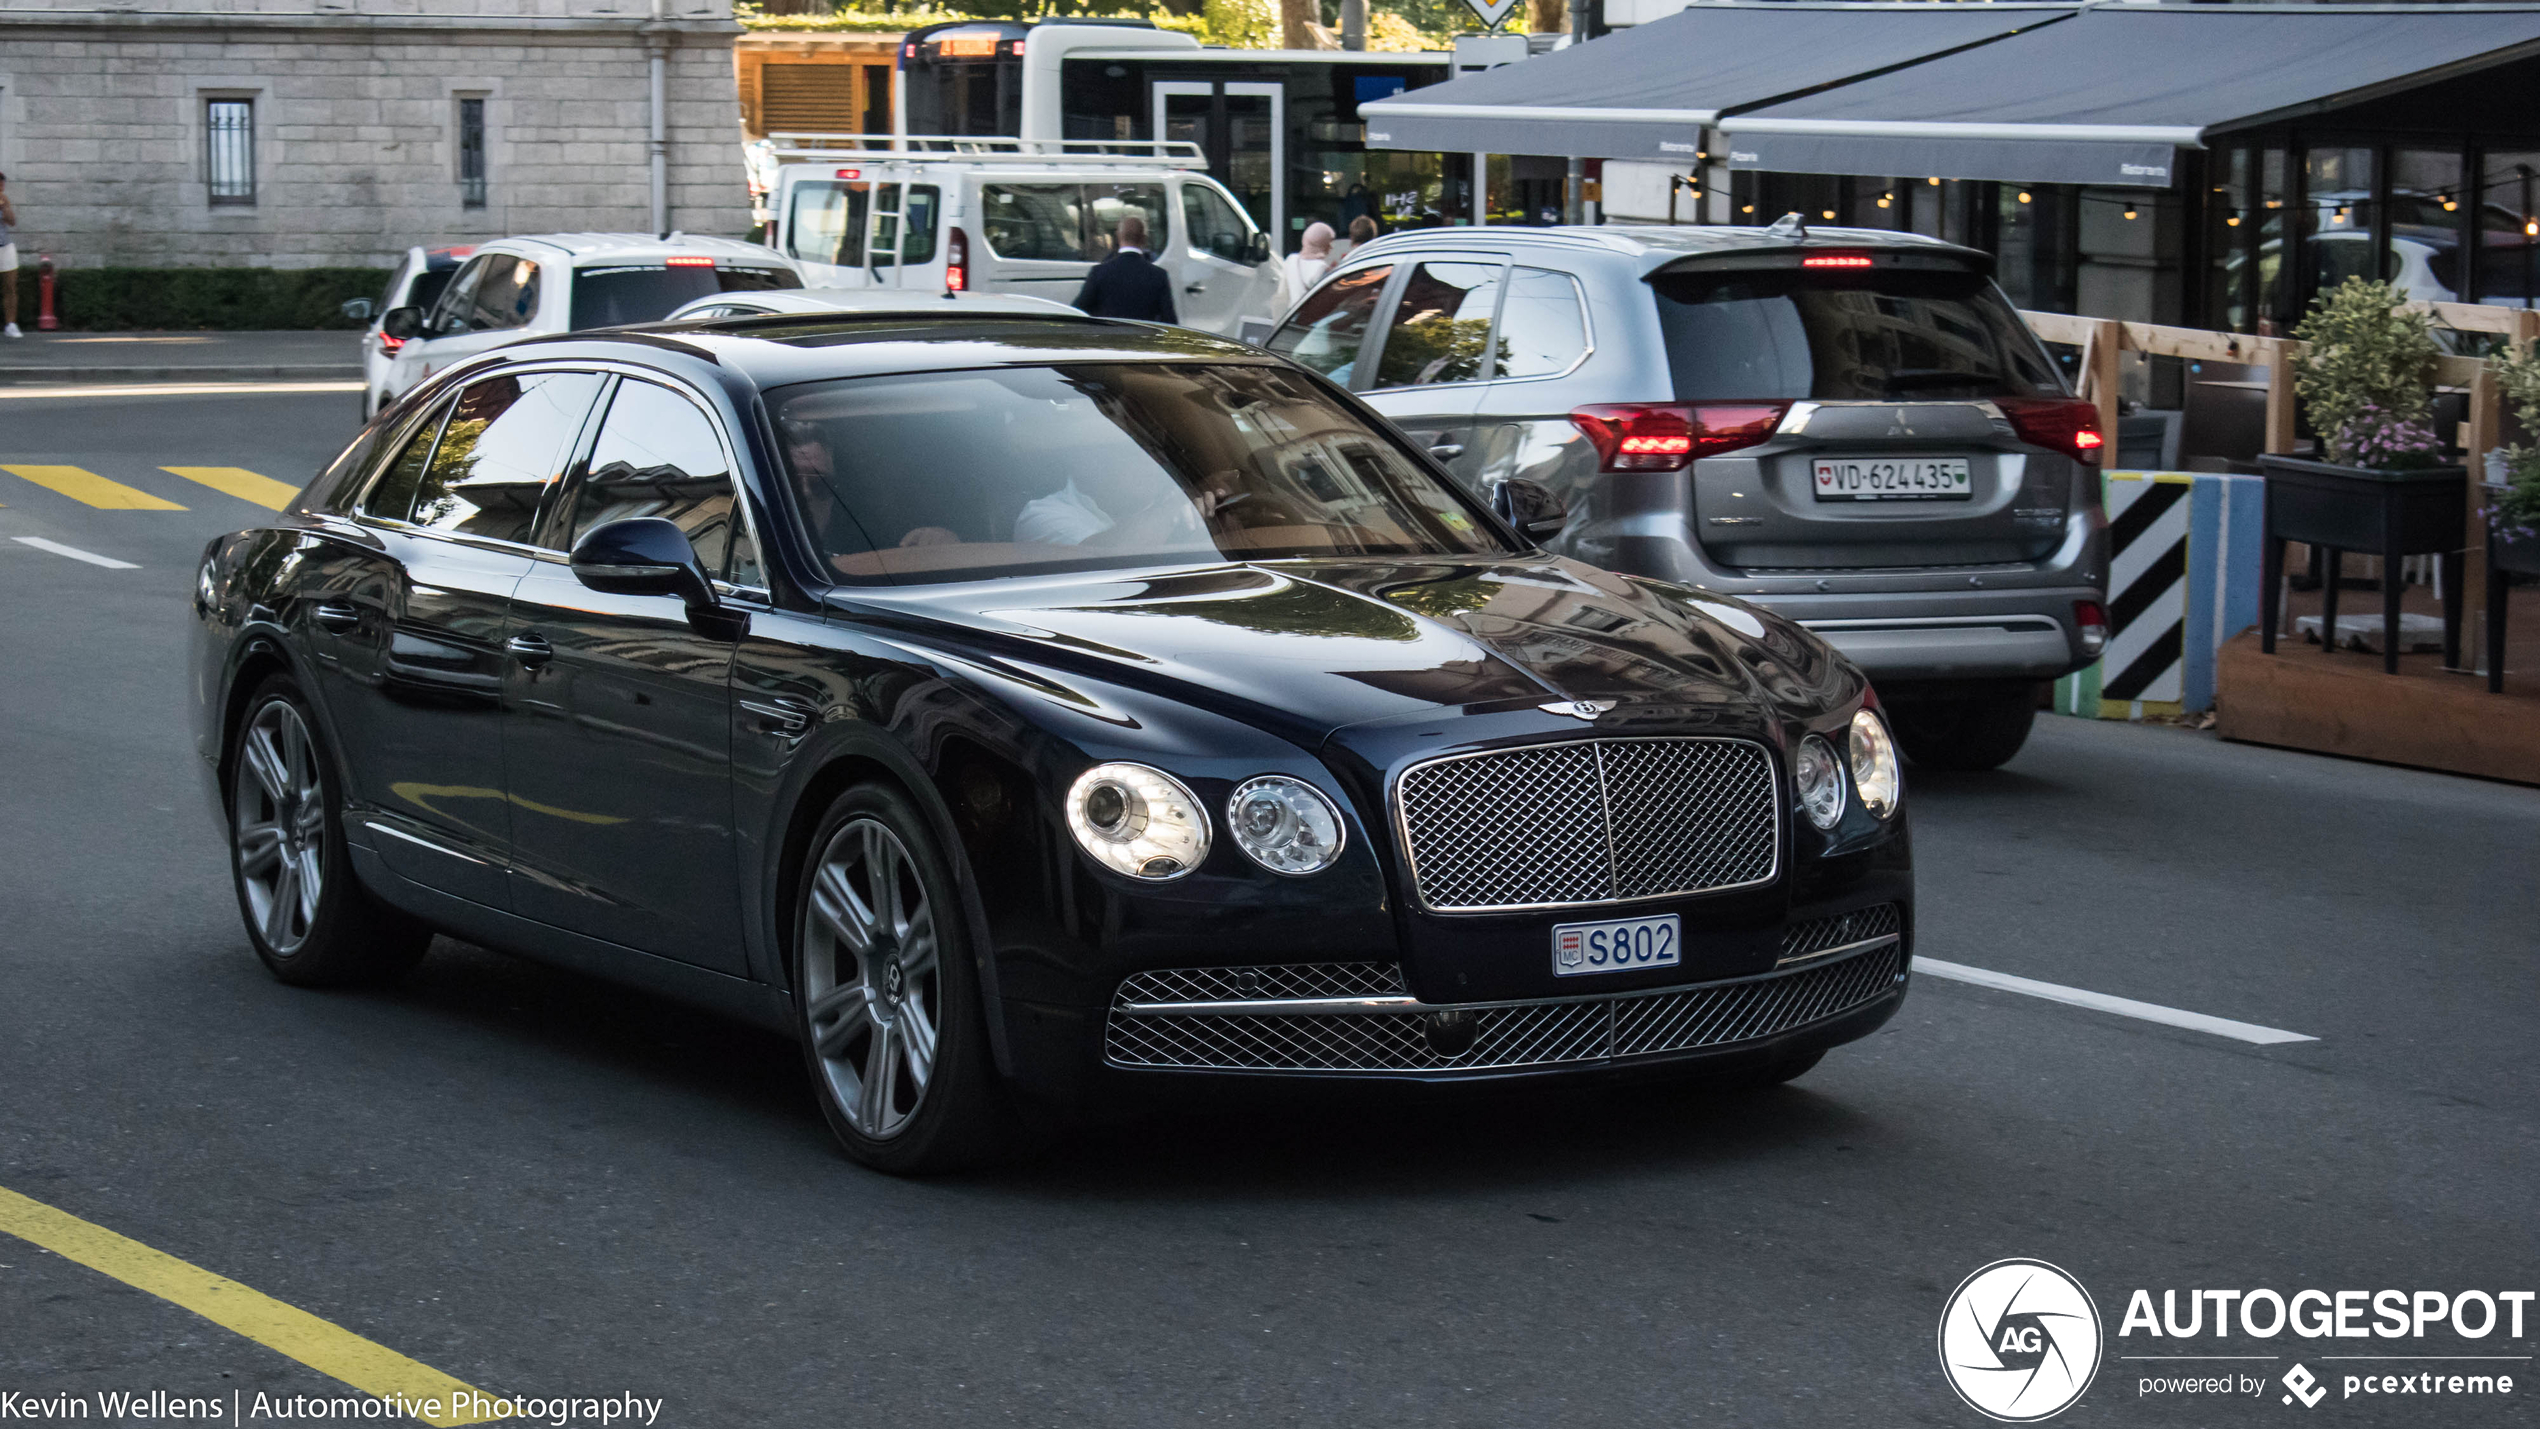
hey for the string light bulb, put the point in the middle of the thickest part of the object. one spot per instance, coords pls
(2450, 205)
(1884, 199)
(2231, 220)
(2129, 212)
(1829, 214)
(2531, 228)
(1746, 208)
(2024, 195)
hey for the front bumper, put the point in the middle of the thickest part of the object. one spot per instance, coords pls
(1357, 1020)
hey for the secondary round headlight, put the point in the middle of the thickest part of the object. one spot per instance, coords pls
(1874, 770)
(1137, 821)
(1285, 825)
(1819, 775)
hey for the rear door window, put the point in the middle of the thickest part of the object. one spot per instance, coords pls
(1328, 328)
(392, 496)
(1841, 336)
(825, 222)
(506, 295)
(1441, 326)
(1044, 221)
(919, 206)
(504, 443)
(1542, 325)
(1107, 204)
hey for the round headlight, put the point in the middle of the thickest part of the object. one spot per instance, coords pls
(1137, 821)
(1874, 770)
(1285, 825)
(1819, 775)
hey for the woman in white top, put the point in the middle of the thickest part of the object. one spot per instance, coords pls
(1301, 270)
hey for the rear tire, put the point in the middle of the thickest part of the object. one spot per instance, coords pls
(307, 916)
(1978, 732)
(886, 995)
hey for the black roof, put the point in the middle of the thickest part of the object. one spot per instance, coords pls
(781, 349)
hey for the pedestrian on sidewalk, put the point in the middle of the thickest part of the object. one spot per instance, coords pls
(1129, 284)
(8, 262)
(1301, 270)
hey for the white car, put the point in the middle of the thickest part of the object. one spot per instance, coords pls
(417, 283)
(565, 282)
(863, 300)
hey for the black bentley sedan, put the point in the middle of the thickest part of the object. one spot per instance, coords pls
(1019, 709)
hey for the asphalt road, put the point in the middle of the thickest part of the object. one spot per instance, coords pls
(542, 1184)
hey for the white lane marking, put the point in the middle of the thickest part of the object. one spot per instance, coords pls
(2103, 1002)
(76, 554)
(177, 389)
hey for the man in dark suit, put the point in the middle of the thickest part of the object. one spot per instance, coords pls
(1129, 284)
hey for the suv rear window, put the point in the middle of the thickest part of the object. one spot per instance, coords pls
(646, 292)
(1839, 336)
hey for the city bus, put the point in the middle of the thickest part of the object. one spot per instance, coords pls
(1279, 128)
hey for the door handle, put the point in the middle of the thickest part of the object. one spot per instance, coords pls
(1195, 288)
(1447, 451)
(530, 649)
(340, 616)
(779, 716)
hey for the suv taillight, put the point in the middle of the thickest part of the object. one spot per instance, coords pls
(2068, 424)
(1630, 436)
(956, 260)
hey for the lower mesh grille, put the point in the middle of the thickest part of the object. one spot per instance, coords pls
(1802, 941)
(1522, 1035)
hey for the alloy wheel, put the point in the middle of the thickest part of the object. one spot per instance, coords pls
(872, 980)
(278, 826)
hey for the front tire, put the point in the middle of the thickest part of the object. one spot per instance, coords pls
(1974, 732)
(307, 917)
(887, 997)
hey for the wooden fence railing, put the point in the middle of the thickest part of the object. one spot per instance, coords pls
(2104, 340)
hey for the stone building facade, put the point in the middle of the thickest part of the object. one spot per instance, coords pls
(306, 133)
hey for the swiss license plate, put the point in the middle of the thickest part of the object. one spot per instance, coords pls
(1617, 945)
(1893, 478)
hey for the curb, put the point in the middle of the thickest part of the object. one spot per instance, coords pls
(271, 372)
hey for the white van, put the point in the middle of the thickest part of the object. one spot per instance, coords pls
(997, 215)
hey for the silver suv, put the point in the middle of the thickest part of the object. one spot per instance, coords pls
(1851, 426)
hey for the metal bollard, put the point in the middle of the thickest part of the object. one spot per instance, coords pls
(45, 321)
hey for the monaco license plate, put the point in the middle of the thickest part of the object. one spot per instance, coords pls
(1617, 945)
(1893, 478)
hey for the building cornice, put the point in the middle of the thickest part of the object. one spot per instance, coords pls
(348, 23)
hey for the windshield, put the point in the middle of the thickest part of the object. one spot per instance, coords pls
(647, 292)
(1836, 336)
(957, 475)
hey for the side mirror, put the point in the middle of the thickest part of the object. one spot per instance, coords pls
(643, 555)
(1257, 249)
(1529, 506)
(402, 324)
(359, 310)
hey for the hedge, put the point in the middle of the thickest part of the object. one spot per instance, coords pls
(268, 299)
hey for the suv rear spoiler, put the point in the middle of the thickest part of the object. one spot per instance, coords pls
(801, 147)
(1920, 258)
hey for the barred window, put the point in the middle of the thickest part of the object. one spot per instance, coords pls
(471, 153)
(229, 127)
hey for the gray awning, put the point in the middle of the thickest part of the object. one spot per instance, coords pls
(2109, 96)
(1647, 92)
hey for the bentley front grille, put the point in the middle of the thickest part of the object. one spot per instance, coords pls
(1824, 937)
(1156, 1022)
(1589, 821)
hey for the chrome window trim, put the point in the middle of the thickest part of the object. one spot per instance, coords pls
(1410, 857)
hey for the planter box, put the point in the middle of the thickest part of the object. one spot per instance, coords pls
(2390, 514)
(2518, 554)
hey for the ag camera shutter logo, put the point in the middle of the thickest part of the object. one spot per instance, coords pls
(2019, 1341)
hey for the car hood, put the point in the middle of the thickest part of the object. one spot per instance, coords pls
(1307, 647)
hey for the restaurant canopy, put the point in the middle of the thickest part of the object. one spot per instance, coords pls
(2110, 95)
(2094, 93)
(1648, 92)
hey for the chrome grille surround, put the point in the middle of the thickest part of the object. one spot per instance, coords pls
(1587, 822)
(1388, 1032)
(1824, 937)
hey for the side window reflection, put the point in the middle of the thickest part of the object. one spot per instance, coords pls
(504, 442)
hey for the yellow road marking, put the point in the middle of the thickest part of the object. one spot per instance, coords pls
(80, 484)
(329, 1349)
(238, 481)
